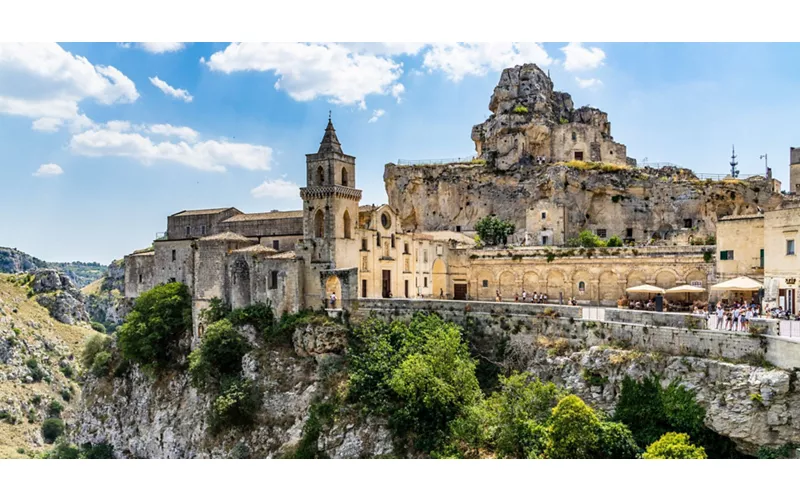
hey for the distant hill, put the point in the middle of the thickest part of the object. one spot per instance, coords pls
(81, 273)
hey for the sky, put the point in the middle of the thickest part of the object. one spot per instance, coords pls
(100, 142)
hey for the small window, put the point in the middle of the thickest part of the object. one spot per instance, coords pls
(578, 155)
(485, 283)
(582, 287)
(386, 221)
(789, 247)
(458, 229)
(601, 233)
(392, 240)
(378, 239)
(364, 244)
(203, 230)
(141, 280)
(405, 248)
(687, 223)
(574, 136)
(761, 259)
(438, 249)
(728, 254)
(629, 232)
(174, 256)
(273, 280)
(544, 215)
(611, 153)
(172, 280)
(425, 256)
(544, 240)
(188, 231)
(276, 244)
(425, 281)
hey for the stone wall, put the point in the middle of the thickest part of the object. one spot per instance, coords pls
(139, 273)
(503, 319)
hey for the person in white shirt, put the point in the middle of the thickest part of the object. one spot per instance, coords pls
(720, 315)
(333, 300)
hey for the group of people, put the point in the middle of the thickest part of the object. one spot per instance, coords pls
(536, 298)
(736, 317)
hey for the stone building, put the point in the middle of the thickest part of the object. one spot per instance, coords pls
(740, 247)
(794, 170)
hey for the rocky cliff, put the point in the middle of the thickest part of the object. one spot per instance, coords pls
(166, 417)
(755, 407)
(14, 261)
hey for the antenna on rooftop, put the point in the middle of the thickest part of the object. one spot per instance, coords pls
(766, 163)
(733, 163)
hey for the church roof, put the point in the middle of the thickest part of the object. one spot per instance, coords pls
(205, 211)
(255, 249)
(290, 214)
(227, 236)
(330, 143)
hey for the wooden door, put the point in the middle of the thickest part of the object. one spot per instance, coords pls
(460, 291)
(387, 284)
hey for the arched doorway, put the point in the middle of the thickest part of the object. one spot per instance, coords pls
(439, 278)
(347, 224)
(333, 286)
(240, 288)
(555, 284)
(508, 286)
(319, 224)
(609, 288)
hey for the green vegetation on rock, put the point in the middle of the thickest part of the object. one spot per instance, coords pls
(675, 446)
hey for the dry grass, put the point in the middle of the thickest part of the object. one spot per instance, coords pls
(93, 287)
(605, 167)
(23, 434)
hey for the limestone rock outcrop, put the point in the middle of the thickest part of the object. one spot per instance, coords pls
(55, 292)
(531, 123)
(313, 340)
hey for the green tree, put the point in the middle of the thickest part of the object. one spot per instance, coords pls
(494, 231)
(95, 344)
(674, 445)
(52, 428)
(220, 354)
(236, 406)
(151, 331)
(586, 239)
(614, 241)
(573, 430)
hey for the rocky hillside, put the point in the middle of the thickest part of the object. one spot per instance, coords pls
(38, 369)
(81, 273)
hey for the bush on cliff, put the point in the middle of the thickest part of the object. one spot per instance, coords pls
(675, 446)
(219, 355)
(151, 331)
(494, 231)
(52, 428)
(236, 406)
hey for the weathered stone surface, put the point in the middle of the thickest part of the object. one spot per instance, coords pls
(316, 340)
(56, 292)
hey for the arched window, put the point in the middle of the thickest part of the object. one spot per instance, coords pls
(320, 176)
(319, 224)
(344, 176)
(582, 287)
(574, 136)
(346, 221)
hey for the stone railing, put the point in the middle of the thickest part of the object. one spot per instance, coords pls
(477, 307)
(678, 320)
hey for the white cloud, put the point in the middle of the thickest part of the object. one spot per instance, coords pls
(580, 58)
(48, 170)
(307, 71)
(397, 91)
(162, 47)
(385, 48)
(458, 60)
(124, 140)
(376, 114)
(277, 189)
(588, 82)
(185, 133)
(170, 91)
(44, 82)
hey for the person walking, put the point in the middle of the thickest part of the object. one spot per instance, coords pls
(736, 313)
(441, 293)
(333, 300)
(720, 315)
(524, 295)
(497, 297)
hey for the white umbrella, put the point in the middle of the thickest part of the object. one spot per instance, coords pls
(740, 284)
(644, 289)
(687, 289)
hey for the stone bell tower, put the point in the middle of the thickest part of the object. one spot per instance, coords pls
(330, 204)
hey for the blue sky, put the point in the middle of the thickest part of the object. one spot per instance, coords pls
(116, 154)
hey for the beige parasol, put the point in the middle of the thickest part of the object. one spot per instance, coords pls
(644, 289)
(740, 284)
(687, 289)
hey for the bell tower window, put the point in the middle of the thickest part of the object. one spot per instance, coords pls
(344, 177)
(319, 224)
(320, 176)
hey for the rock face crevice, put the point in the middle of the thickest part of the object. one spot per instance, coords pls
(55, 292)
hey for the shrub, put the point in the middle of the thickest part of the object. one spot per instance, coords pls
(216, 310)
(94, 345)
(67, 371)
(63, 451)
(98, 327)
(573, 430)
(586, 239)
(101, 364)
(151, 331)
(100, 451)
(219, 354)
(236, 406)
(614, 241)
(36, 371)
(55, 409)
(784, 451)
(66, 395)
(674, 445)
(520, 109)
(52, 428)
(259, 316)
(711, 239)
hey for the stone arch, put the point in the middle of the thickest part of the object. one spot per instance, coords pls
(530, 282)
(508, 284)
(666, 278)
(344, 177)
(240, 286)
(320, 176)
(636, 278)
(696, 275)
(609, 289)
(555, 283)
(485, 292)
(319, 224)
(347, 225)
(439, 273)
(333, 285)
(582, 277)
